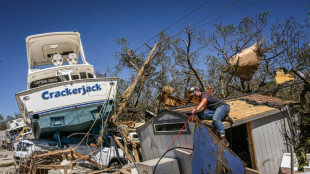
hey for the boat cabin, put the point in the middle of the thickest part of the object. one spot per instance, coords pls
(56, 57)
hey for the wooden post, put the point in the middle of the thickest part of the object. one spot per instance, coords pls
(66, 156)
(72, 155)
(251, 145)
(129, 91)
(292, 159)
(66, 170)
(135, 152)
(122, 147)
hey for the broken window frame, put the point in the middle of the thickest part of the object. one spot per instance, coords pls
(186, 129)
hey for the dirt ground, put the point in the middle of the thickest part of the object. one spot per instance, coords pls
(6, 158)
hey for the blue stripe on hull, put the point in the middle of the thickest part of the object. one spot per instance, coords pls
(68, 107)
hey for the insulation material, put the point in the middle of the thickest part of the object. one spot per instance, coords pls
(167, 90)
(247, 62)
(281, 77)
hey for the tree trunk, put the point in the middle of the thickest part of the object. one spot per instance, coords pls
(129, 91)
(140, 88)
(188, 56)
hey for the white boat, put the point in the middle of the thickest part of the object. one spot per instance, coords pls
(63, 94)
(15, 126)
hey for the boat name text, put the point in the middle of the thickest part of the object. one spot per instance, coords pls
(83, 90)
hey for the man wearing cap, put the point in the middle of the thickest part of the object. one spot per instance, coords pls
(215, 109)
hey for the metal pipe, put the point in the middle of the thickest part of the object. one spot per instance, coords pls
(292, 159)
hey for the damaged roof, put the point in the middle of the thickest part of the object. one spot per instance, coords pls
(245, 108)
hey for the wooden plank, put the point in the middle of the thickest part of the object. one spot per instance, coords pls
(124, 122)
(89, 160)
(100, 171)
(72, 155)
(56, 152)
(54, 167)
(34, 169)
(251, 145)
(251, 171)
(135, 152)
(123, 148)
(246, 119)
(66, 156)
(124, 171)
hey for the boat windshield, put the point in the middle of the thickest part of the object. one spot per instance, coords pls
(56, 79)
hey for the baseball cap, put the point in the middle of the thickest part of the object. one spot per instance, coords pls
(193, 89)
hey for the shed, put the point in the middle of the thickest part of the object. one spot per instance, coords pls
(256, 135)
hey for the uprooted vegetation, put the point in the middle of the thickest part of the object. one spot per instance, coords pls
(196, 57)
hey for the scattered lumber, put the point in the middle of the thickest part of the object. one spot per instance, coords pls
(123, 148)
(89, 160)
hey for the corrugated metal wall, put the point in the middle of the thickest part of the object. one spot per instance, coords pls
(269, 142)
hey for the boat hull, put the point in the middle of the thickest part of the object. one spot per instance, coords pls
(67, 107)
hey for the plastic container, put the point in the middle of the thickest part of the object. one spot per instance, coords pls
(286, 163)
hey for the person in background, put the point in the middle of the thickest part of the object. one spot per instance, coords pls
(215, 109)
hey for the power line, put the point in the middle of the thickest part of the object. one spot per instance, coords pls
(245, 7)
(227, 14)
(216, 12)
(201, 5)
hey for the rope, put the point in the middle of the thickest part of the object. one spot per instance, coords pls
(192, 115)
(95, 120)
(130, 152)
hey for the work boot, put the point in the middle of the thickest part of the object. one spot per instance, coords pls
(224, 140)
(229, 119)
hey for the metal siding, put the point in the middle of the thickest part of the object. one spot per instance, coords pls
(149, 147)
(271, 153)
(168, 117)
(154, 146)
(258, 140)
(210, 155)
(145, 144)
(269, 143)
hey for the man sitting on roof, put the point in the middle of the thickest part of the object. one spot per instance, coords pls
(212, 108)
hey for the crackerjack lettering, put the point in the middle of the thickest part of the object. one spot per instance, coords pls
(66, 92)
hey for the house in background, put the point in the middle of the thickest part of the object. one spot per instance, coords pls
(257, 135)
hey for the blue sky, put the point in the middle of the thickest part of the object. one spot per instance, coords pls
(101, 22)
